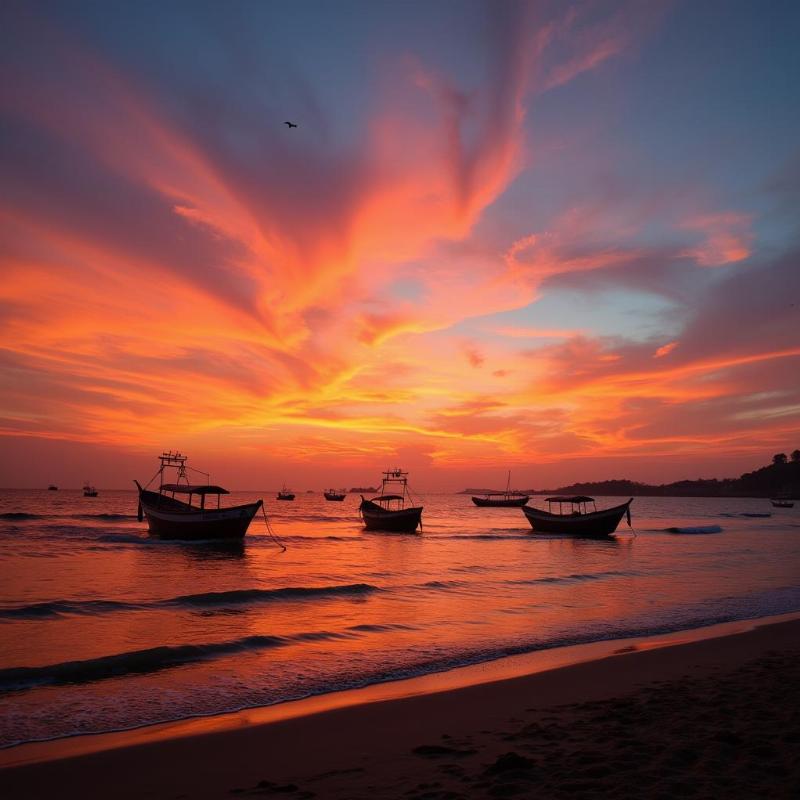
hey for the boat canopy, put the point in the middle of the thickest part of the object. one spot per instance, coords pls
(387, 497)
(578, 499)
(184, 488)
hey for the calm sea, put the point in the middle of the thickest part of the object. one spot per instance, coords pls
(103, 628)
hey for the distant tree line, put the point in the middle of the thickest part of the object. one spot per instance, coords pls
(780, 478)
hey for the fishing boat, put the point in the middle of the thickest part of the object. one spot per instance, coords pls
(285, 494)
(170, 518)
(779, 502)
(89, 490)
(387, 511)
(506, 499)
(333, 494)
(577, 520)
(52, 488)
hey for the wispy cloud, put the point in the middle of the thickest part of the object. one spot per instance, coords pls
(176, 260)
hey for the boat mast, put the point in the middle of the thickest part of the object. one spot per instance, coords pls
(176, 460)
(396, 475)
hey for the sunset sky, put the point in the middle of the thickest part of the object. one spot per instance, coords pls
(557, 238)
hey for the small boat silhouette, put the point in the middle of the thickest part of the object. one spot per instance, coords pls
(505, 499)
(169, 518)
(388, 512)
(285, 494)
(578, 521)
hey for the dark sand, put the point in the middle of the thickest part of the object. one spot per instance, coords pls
(718, 718)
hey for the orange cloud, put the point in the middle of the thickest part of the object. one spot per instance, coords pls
(170, 270)
(665, 349)
(728, 235)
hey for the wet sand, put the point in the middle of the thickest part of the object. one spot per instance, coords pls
(708, 719)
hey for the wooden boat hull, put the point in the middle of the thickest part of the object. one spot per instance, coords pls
(285, 497)
(511, 502)
(596, 524)
(405, 520)
(336, 498)
(168, 518)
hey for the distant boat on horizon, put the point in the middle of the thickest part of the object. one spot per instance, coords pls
(388, 512)
(285, 494)
(169, 518)
(578, 521)
(89, 490)
(52, 488)
(780, 502)
(506, 499)
(334, 495)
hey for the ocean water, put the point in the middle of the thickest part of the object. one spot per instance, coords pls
(103, 628)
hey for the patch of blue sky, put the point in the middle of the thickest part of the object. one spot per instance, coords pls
(630, 315)
(694, 120)
(708, 99)
(319, 63)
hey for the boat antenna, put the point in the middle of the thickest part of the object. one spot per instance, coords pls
(200, 472)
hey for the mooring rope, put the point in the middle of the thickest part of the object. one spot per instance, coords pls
(271, 533)
(415, 501)
(628, 515)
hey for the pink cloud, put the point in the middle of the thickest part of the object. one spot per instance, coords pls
(474, 357)
(728, 238)
(584, 62)
(158, 254)
(665, 349)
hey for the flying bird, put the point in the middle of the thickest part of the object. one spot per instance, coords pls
(290, 124)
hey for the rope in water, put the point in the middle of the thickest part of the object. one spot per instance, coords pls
(271, 533)
(633, 530)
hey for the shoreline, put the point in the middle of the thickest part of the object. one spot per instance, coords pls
(483, 676)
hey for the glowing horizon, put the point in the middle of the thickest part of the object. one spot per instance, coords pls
(501, 237)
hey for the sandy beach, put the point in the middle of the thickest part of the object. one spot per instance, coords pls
(711, 718)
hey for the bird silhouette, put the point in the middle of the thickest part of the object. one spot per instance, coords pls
(290, 124)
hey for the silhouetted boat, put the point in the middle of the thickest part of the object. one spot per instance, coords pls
(52, 488)
(578, 521)
(387, 512)
(169, 518)
(332, 494)
(89, 490)
(506, 499)
(285, 494)
(778, 502)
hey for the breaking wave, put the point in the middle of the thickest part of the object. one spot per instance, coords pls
(57, 608)
(141, 662)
